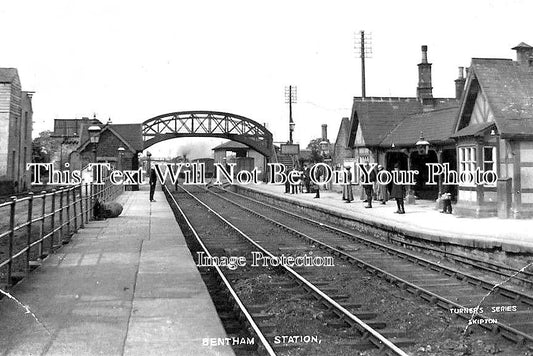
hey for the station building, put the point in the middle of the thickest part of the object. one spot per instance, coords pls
(487, 125)
(112, 138)
(16, 115)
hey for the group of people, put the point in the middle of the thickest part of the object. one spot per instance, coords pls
(305, 181)
(373, 189)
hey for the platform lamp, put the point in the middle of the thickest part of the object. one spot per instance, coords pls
(149, 155)
(121, 151)
(94, 134)
(422, 145)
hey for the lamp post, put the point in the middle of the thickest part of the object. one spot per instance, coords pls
(149, 155)
(290, 98)
(94, 134)
(121, 151)
(291, 130)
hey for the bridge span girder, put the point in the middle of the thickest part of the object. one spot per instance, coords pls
(208, 124)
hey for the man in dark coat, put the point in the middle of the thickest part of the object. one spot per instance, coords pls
(398, 192)
(153, 181)
(307, 179)
(369, 190)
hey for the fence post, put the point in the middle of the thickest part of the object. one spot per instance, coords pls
(91, 198)
(61, 212)
(28, 231)
(87, 203)
(81, 206)
(43, 213)
(11, 237)
(53, 223)
(68, 212)
(75, 210)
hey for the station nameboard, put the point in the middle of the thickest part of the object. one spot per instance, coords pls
(290, 149)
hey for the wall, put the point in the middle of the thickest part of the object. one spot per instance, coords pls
(5, 104)
(526, 171)
(15, 135)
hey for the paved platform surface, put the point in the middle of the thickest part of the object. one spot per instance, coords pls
(422, 218)
(124, 286)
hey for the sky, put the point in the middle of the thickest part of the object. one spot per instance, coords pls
(133, 60)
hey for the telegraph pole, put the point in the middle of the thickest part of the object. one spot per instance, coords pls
(290, 98)
(363, 45)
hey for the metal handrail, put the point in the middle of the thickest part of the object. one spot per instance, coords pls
(51, 222)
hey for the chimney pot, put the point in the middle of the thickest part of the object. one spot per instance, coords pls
(424, 91)
(459, 84)
(424, 54)
(324, 132)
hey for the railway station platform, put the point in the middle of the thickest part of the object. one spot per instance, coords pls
(421, 220)
(123, 286)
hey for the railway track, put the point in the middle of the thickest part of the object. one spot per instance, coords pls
(285, 306)
(505, 310)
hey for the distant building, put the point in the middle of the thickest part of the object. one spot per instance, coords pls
(112, 137)
(243, 156)
(16, 115)
(67, 132)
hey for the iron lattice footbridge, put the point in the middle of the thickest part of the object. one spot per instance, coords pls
(208, 124)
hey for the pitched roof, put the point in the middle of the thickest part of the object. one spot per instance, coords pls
(378, 116)
(8, 75)
(473, 130)
(522, 45)
(436, 127)
(508, 87)
(228, 146)
(344, 132)
(130, 134)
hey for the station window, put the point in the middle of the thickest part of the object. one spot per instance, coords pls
(489, 158)
(467, 159)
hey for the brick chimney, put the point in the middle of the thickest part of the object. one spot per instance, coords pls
(324, 132)
(460, 84)
(424, 91)
(524, 55)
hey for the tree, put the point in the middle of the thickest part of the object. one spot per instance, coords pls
(316, 151)
(44, 147)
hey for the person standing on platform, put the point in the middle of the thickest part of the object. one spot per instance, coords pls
(369, 190)
(382, 192)
(287, 186)
(307, 179)
(398, 192)
(318, 180)
(294, 186)
(347, 191)
(446, 199)
(153, 181)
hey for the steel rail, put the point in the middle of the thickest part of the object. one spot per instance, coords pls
(375, 337)
(399, 253)
(420, 291)
(413, 244)
(234, 295)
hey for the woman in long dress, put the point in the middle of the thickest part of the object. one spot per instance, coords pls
(347, 191)
(382, 191)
